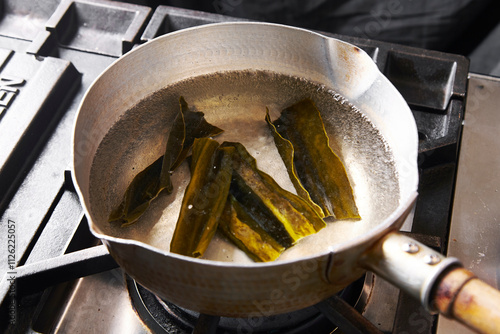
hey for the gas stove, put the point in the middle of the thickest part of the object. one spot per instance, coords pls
(58, 278)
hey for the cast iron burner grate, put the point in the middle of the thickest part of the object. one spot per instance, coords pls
(340, 311)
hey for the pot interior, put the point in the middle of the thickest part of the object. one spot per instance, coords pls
(236, 101)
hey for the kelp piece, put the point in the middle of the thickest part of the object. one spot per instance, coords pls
(285, 148)
(283, 215)
(317, 167)
(142, 190)
(246, 233)
(187, 126)
(147, 185)
(204, 198)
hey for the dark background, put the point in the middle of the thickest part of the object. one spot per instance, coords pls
(467, 27)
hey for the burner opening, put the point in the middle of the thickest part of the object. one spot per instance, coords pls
(165, 317)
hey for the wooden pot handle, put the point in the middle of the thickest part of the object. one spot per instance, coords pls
(440, 283)
(462, 296)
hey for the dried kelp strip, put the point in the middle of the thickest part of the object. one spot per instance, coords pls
(247, 234)
(187, 126)
(204, 198)
(286, 151)
(143, 188)
(316, 166)
(147, 185)
(283, 215)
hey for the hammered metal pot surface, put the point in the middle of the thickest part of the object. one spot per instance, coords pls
(239, 288)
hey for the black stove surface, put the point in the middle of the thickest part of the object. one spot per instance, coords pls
(49, 55)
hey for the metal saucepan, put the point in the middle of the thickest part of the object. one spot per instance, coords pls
(233, 72)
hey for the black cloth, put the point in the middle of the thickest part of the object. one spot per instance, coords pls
(423, 23)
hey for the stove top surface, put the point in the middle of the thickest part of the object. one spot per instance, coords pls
(66, 281)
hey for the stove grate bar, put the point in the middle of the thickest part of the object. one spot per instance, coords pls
(43, 274)
(342, 314)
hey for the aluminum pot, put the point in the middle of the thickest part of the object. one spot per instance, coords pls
(232, 71)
